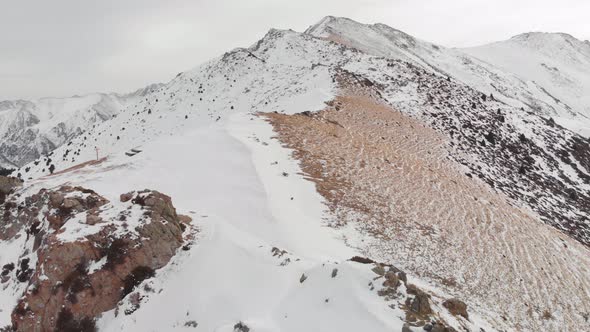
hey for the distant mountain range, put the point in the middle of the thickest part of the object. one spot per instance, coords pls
(32, 128)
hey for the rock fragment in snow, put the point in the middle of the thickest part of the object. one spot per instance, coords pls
(241, 327)
(456, 307)
(303, 278)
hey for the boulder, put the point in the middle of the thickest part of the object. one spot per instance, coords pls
(456, 307)
(185, 219)
(391, 280)
(126, 197)
(421, 304)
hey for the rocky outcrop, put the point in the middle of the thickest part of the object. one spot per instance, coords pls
(415, 302)
(83, 254)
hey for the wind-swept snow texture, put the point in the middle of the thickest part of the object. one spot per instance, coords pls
(201, 141)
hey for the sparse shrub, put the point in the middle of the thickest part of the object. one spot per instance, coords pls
(23, 274)
(241, 327)
(21, 309)
(115, 253)
(76, 282)
(34, 229)
(547, 315)
(135, 278)
(139, 200)
(7, 268)
(190, 323)
(67, 323)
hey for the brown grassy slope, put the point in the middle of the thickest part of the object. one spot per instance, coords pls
(389, 174)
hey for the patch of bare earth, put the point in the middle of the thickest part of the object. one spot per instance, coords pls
(79, 166)
(389, 175)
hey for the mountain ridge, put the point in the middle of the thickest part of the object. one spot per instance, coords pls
(483, 73)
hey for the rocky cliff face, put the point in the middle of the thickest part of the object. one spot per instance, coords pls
(81, 254)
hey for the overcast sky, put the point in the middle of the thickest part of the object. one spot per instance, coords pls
(67, 47)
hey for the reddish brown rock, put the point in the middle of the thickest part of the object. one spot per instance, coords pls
(185, 219)
(62, 293)
(126, 197)
(92, 219)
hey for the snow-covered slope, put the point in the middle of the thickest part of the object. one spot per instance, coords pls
(273, 242)
(30, 129)
(551, 81)
(557, 62)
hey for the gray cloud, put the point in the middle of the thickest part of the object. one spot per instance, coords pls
(66, 47)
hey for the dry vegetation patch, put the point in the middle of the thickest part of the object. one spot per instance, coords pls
(391, 176)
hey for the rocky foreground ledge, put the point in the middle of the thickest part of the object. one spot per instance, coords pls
(79, 254)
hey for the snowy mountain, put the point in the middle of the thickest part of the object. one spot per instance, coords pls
(544, 73)
(30, 129)
(348, 178)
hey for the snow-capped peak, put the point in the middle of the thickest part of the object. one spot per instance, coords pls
(557, 64)
(555, 44)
